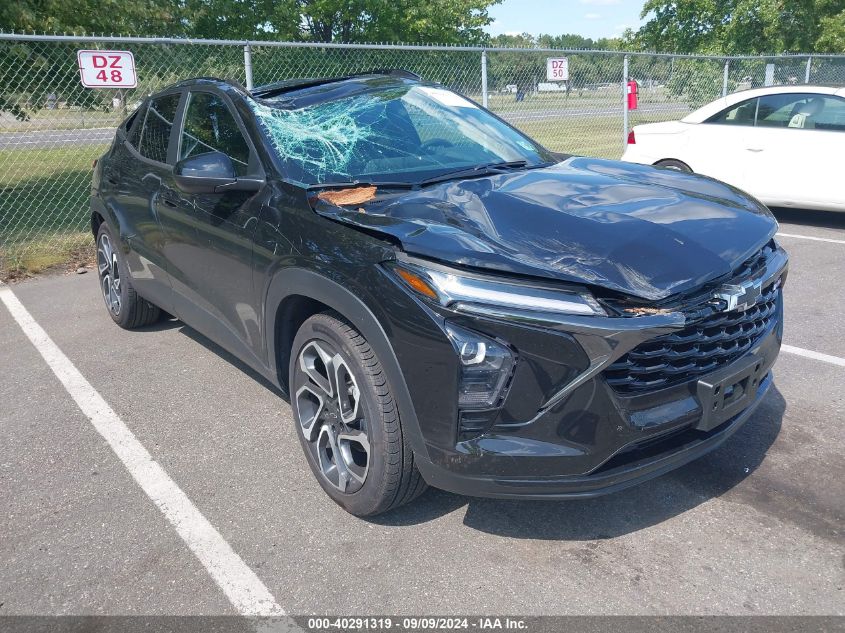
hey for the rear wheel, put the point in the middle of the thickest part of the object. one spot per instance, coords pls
(347, 420)
(125, 307)
(677, 165)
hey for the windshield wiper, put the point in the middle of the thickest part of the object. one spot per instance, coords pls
(351, 184)
(484, 169)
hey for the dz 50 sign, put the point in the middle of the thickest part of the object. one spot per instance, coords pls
(107, 69)
(557, 69)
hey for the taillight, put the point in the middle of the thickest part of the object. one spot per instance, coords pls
(632, 140)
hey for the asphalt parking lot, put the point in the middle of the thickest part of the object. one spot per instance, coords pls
(755, 527)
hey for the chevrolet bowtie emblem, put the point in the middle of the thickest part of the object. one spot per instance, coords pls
(740, 296)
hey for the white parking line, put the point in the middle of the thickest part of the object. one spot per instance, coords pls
(240, 584)
(810, 237)
(808, 353)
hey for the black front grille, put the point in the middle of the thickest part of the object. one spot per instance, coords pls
(756, 262)
(706, 345)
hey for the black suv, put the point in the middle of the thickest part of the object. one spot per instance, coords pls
(443, 299)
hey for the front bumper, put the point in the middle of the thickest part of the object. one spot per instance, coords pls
(633, 463)
(563, 430)
(589, 438)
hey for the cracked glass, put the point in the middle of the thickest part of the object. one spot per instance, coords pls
(397, 132)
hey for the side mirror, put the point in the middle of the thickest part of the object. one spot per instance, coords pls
(212, 172)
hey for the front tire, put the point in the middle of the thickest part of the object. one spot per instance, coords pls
(347, 420)
(124, 305)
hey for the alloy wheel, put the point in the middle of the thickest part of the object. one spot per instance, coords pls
(332, 417)
(109, 273)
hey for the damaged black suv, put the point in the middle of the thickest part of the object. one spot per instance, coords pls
(443, 300)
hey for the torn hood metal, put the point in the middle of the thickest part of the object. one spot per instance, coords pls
(646, 232)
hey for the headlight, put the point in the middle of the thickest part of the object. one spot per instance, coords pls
(465, 293)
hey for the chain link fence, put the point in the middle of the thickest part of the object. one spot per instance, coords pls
(52, 128)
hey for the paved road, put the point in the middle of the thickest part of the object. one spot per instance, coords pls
(47, 139)
(756, 527)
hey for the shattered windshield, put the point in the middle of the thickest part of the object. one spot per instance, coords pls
(401, 133)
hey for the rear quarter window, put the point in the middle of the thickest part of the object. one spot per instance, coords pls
(133, 125)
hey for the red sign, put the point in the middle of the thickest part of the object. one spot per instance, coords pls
(107, 69)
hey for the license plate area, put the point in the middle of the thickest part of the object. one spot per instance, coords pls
(728, 391)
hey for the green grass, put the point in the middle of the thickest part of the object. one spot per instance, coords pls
(589, 136)
(45, 189)
(45, 252)
(44, 206)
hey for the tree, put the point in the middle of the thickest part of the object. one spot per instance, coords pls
(145, 17)
(743, 26)
(434, 21)
(418, 21)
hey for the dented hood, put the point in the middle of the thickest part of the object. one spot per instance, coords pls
(642, 231)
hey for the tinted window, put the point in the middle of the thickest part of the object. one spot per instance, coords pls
(157, 125)
(740, 114)
(210, 127)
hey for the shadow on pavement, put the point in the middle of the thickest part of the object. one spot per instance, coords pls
(162, 325)
(229, 358)
(808, 217)
(619, 513)
(603, 517)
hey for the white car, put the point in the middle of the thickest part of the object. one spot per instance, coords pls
(785, 145)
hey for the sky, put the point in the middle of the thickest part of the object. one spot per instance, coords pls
(590, 18)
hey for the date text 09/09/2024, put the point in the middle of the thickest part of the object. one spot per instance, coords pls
(416, 623)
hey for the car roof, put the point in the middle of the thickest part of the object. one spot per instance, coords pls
(290, 85)
(299, 85)
(705, 112)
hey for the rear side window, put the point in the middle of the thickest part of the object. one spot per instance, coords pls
(210, 127)
(780, 110)
(133, 126)
(158, 122)
(832, 116)
(802, 111)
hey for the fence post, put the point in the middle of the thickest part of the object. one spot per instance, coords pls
(624, 102)
(248, 66)
(807, 72)
(484, 78)
(725, 78)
